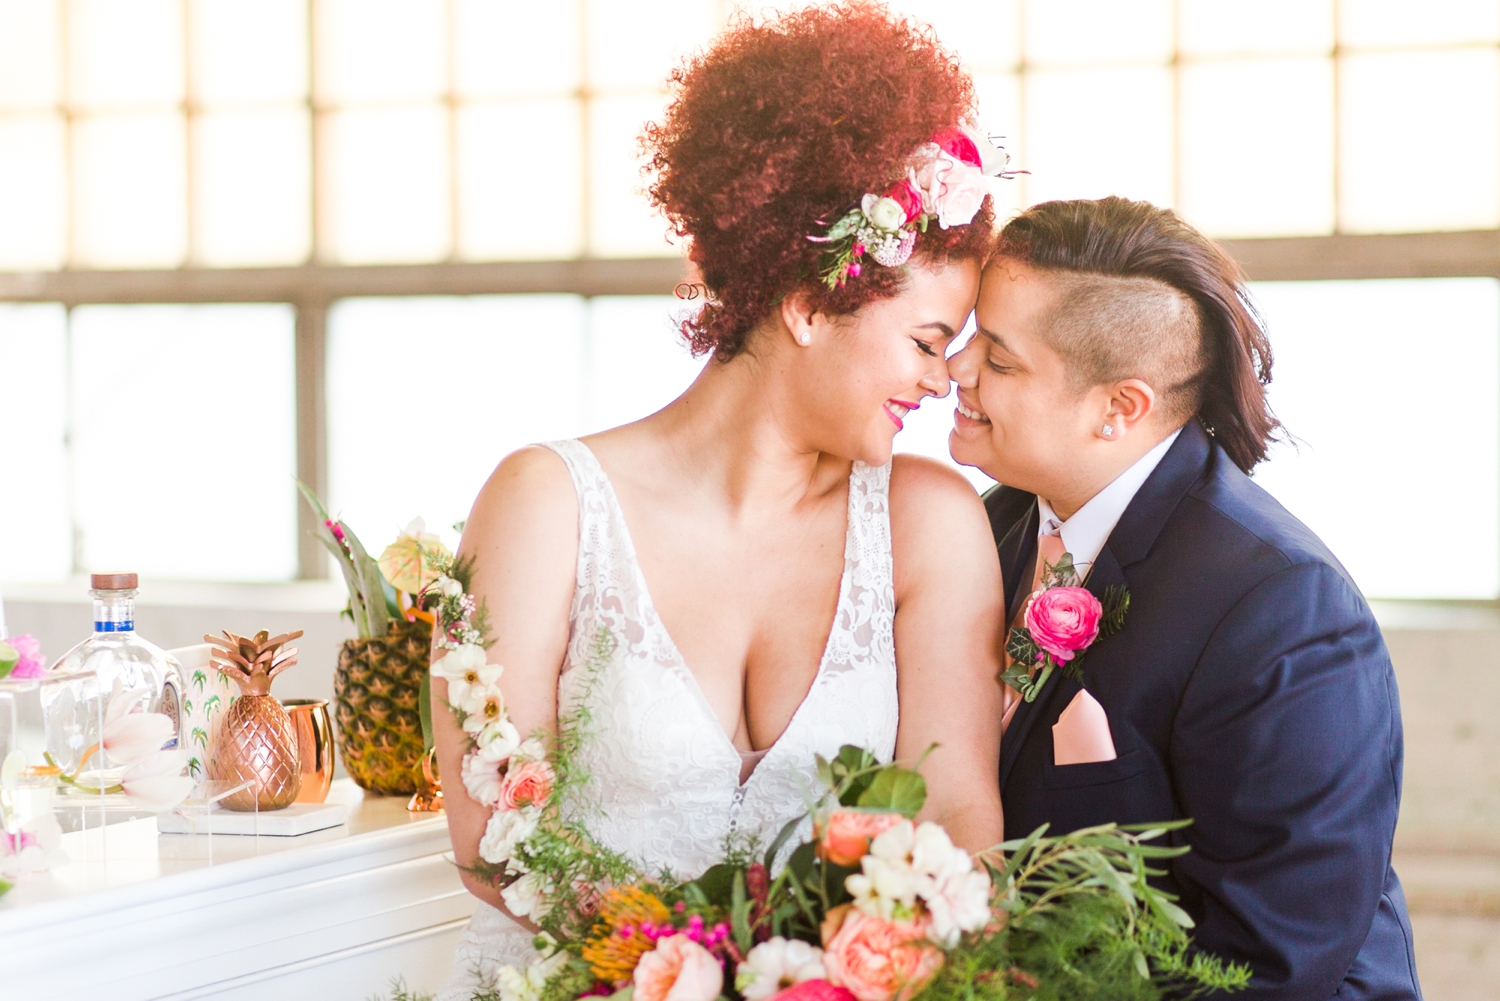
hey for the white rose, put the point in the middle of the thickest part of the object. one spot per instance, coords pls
(450, 587)
(482, 779)
(524, 897)
(884, 213)
(505, 833)
(956, 903)
(497, 741)
(959, 193)
(777, 964)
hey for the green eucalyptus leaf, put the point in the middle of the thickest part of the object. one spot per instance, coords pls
(898, 789)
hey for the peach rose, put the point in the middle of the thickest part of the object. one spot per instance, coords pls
(526, 783)
(877, 960)
(844, 836)
(678, 969)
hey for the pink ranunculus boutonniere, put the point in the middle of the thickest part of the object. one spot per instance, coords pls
(1061, 621)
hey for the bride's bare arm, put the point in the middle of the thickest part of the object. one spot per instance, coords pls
(523, 536)
(948, 610)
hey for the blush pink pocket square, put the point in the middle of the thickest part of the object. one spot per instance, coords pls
(1081, 734)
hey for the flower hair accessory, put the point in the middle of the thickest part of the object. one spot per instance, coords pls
(946, 181)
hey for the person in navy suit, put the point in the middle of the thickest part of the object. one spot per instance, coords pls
(1116, 388)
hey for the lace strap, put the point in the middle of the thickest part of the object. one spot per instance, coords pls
(868, 546)
(592, 487)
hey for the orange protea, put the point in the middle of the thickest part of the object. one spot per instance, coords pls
(619, 941)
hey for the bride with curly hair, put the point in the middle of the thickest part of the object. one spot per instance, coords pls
(774, 582)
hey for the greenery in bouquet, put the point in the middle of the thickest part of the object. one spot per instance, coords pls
(873, 906)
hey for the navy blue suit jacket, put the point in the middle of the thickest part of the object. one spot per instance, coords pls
(1250, 690)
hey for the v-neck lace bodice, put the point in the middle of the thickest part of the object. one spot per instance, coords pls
(664, 778)
(664, 782)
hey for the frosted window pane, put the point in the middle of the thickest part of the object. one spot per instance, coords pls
(986, 35)
(382, 50)
(638, 362)
(1272, 27)
(249, 52)
(1287, 105)
(1418, 145)
(184, 444)
(385, 192)
(1000, 118)
(623, 224)
(1091, 133)
(130, 191)
(125, 53)
(503, 214)
(1400, 22)
(1372, 493)
(30, 54)
(33, 193)
(488, 62)
(37, 543)
(510, 370)
(252, 188)
(635, 45)
(1075, 32)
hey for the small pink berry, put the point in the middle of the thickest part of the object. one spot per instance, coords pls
(854, 270)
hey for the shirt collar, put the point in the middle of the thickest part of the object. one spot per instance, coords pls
(1085, 533)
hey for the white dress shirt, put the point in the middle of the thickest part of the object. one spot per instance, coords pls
(1085, 533)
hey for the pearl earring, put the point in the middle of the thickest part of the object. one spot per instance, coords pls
(1109, 429)
(804, 338)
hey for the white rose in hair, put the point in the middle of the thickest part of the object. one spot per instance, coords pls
(884, 213)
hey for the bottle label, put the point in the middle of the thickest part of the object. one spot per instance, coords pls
(170, 709)
(123, 626)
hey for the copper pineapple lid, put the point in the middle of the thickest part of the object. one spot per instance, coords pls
(113, 581)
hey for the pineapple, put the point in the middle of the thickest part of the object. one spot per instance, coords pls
(256, 739)
(377, 704)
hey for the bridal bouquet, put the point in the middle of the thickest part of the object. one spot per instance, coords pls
(873, 906)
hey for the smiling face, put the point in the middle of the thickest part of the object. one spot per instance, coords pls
(858, 376)
(1020, 418)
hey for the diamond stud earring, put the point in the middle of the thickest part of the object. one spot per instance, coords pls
(1109, 429)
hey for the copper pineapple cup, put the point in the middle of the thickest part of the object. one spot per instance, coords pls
(314, 728)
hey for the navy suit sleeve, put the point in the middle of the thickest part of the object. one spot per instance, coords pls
(1286, 752)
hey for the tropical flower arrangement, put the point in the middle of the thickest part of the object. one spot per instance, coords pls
(946, 182)
(1061, 621)
(874, 906)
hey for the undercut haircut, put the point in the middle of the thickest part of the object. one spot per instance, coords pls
(1144, 295)
(1108, 328)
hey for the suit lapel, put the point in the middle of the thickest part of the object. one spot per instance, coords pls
(1017, 548)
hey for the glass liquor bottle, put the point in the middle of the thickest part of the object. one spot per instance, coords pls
(122, 661)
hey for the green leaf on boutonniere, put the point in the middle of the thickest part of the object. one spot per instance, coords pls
(1063, 573)
(1116, 604)
(1022, 649)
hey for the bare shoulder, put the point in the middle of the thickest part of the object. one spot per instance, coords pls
(938, 523)
(927, 495)
(528, 498)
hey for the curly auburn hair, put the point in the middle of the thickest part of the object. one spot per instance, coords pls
(777, 130)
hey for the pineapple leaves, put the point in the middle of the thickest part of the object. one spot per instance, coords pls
(368, 605)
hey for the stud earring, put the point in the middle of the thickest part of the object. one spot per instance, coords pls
(804, 338)
(1109, 429)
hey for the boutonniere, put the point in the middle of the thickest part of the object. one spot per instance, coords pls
(1063, 619)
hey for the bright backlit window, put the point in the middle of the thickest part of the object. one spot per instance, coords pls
(1392, 390)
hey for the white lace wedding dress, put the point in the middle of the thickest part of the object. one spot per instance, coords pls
(664, 778)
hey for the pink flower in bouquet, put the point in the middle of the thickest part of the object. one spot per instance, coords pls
(678, 969)
(31, 664)
(876, 959)
(815, 990)
(1064, 620)
(844, 837)
(526, 783)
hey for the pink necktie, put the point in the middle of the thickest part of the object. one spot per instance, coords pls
(1049, 550)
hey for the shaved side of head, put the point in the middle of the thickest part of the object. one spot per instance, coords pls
(1110, 327)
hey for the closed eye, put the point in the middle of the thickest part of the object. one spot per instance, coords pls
(927, 349)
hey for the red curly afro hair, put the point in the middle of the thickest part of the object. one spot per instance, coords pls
(777, 130)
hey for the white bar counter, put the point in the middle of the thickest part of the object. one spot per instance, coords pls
(333, 914)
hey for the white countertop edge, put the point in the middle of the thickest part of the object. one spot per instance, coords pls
(429, 833)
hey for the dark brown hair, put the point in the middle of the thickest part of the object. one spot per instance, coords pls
(1118, 238)
(779, 128)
